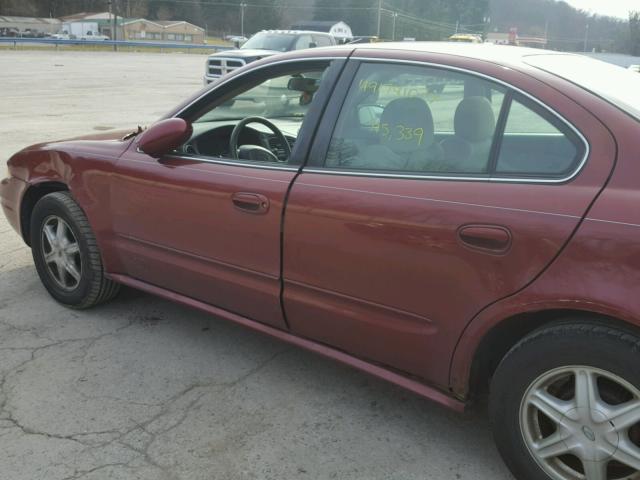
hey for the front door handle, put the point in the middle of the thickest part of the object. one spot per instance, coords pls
(486, 238)
(250, 202)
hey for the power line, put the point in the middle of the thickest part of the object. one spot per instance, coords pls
(406, 17)
(257, 5)
(443, 27)
(431, 23)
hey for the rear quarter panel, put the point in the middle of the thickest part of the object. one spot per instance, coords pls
(599, 269)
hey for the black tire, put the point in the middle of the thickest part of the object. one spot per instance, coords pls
(590, 344)
(92, 287)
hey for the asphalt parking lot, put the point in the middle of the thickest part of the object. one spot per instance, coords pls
(145, 389)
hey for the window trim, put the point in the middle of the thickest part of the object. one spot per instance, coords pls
(360, 59)
(498, 135)
(236, 163)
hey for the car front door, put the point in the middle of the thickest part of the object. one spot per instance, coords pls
(419, 207)
(206, 225)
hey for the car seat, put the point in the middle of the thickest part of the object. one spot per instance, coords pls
(469, 148)
(401, 148)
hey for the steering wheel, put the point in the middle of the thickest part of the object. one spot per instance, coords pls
(256, 152)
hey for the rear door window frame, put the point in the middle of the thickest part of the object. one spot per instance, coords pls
(320, 148)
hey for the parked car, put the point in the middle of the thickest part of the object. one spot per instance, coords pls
(32, 33)
(481, 240)
(9, 32)
(263, 44)
(236, 39)
(93, 36)
(466, 38)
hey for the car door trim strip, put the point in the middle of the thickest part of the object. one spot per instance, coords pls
(437, 200)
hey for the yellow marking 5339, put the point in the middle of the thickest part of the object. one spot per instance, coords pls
(399, 132)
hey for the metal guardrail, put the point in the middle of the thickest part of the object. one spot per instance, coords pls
(105, 43)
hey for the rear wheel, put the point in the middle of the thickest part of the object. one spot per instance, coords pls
(66, 254)
(565, 404)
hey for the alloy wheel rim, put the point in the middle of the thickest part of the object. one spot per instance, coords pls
(583, 423)
(61, 253)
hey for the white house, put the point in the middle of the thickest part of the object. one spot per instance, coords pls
(340, 30)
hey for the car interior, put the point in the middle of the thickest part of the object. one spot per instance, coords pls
(411, 120)
(260, 124)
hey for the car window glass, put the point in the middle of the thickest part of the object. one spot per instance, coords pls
(413, 119)
(536, 143)
(283, 100)
(269, 41)
(302, 42)
(322, 41)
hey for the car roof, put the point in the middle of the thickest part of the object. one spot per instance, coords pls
(296, 32)
(501, 54)
(505, 55)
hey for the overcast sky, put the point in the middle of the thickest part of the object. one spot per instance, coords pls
(615, 8)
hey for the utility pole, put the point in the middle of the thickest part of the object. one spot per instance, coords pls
(485, 26)
(546, 29)
(110, 19)
(586, 36)
(114, 30)
(457, 25)
(379, 16)
(395, 16)
(242, 7)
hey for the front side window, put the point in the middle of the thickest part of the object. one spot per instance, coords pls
(413, 119)
(279, 103)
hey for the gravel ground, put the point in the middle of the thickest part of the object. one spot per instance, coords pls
(145, 389)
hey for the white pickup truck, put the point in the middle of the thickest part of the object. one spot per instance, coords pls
(263, 44)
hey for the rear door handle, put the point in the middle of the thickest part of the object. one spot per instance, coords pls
(250, 202)
(486, 238)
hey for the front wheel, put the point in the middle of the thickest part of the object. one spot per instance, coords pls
(66, 254)
(565, 404)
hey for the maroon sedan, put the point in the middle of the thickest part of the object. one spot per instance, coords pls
(456, 219)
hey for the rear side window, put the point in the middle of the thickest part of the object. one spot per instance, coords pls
(537, 144)
(412, 119)
(303, 41)
(409, 119)
(322, 40)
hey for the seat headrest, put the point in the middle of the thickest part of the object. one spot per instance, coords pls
(410, 125)
(474, 120)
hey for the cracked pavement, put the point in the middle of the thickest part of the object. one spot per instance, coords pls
(142, 388)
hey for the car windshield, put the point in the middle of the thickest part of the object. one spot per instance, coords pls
(270, 41)
(618, 86)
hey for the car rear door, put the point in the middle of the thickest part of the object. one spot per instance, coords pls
(209, 227)
(388, 255)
